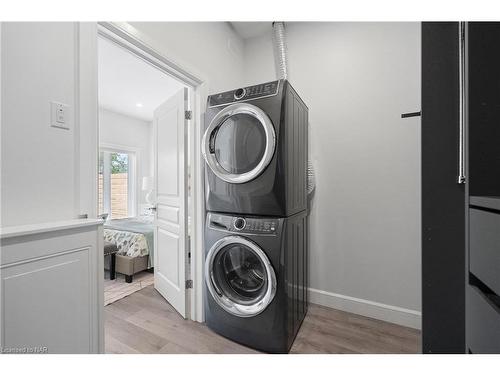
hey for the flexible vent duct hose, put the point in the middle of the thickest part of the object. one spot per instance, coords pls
(280, 57)
(311, 178)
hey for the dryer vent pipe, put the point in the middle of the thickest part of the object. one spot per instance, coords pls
(280, 53)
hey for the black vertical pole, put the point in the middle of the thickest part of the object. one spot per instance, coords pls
(443, 199)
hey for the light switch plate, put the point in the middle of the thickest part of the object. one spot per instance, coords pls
(59, 115)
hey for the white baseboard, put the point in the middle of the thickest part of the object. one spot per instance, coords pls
(371, 309)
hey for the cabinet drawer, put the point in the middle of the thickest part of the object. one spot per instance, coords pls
(484, 253)
(483, 323)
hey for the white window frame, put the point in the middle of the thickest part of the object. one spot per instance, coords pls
(133, 176)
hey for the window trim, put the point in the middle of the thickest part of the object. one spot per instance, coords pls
(133, 172)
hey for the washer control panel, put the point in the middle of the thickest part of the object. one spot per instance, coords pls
(246, 225)
(244, 93)
(261, 225)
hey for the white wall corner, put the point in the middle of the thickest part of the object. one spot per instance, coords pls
(371, 309)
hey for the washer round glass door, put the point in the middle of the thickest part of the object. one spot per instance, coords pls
(239, 276)
(239, 143)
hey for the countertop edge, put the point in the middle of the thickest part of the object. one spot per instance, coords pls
(30, 229)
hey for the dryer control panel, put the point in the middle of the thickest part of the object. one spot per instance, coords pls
(244, 93)
(244, 225)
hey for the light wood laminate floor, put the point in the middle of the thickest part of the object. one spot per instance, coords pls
(145, 323)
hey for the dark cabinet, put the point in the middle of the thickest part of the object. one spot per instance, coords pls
(483, 109)
(460, 216)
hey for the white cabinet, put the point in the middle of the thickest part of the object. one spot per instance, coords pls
(51, 288)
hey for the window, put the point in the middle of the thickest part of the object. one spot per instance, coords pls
(116, 183)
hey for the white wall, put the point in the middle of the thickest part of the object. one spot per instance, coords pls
(38, 161)
(210, 49)
(357, 79)
(46, 172)
(121, 130)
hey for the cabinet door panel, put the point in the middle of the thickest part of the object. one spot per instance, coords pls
(484, 258)
(46, 303)
(483, 323)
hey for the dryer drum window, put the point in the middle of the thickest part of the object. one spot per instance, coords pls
(240, 276)
(239, 143)
(247, 138)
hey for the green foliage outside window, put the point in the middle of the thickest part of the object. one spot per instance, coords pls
(119, 163)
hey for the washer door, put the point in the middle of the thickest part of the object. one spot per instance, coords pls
(239, 276)
(239, 143)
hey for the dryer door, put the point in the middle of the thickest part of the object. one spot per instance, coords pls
(239, 276)
(239, 143)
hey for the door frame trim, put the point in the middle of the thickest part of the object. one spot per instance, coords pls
(136, 42)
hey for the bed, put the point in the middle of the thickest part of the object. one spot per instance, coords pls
(134, 240)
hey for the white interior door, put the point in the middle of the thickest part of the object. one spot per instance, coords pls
(170, 165)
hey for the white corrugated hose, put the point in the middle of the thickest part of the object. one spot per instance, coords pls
(280, 52)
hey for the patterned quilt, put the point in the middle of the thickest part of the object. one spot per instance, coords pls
(133, 237)
(128, 243)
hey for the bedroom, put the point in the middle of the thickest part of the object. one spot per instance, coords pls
(130, 92)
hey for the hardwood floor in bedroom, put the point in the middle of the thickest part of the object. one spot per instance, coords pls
(144, 323)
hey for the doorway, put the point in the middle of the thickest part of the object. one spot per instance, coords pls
(149, 168)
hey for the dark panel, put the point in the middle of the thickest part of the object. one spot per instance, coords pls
(296, 123)
(484, 252)
(484, 323)
(490, 203)
(484, 108)
(443, 200)
(295, 251)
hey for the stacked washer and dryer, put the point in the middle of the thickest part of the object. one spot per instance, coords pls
(256, 252)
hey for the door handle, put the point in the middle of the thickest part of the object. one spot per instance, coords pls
(461, 103)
